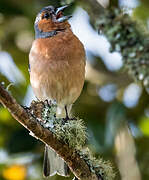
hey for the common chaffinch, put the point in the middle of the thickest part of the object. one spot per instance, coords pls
(57, 70)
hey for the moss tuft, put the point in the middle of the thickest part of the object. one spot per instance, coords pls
(100, 167)
(72, 132)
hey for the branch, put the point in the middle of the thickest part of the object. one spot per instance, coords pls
(77, 165)
(130, 39)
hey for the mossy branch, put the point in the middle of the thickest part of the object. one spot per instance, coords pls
(129, 38)
(36, 120)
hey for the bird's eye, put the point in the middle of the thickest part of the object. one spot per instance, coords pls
(46, 15)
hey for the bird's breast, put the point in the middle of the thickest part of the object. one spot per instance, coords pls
(57, 68)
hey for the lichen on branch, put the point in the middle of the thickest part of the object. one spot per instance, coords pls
(72, 131)
(127, 37)
(36, 119)
(102, 168)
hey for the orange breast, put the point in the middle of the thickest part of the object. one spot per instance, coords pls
(57, 68)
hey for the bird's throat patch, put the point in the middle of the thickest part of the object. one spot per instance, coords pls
(41, 34)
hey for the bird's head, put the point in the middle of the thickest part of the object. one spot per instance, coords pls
(50, 19)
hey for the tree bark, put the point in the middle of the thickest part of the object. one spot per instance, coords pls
(77, 165)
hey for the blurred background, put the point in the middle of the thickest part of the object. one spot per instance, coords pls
(111, 100)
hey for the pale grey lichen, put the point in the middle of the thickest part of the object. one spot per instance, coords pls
(100, 167)
(72, 131)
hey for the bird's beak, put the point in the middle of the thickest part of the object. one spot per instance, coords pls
(63, 18)
(61, 9)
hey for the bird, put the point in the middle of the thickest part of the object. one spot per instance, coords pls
(57, 71)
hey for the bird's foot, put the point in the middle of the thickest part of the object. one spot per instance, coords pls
(67, 118)
(47, 103)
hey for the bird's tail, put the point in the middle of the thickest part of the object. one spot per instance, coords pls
(53, 164)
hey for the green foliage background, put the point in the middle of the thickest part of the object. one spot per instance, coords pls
(16, 18)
